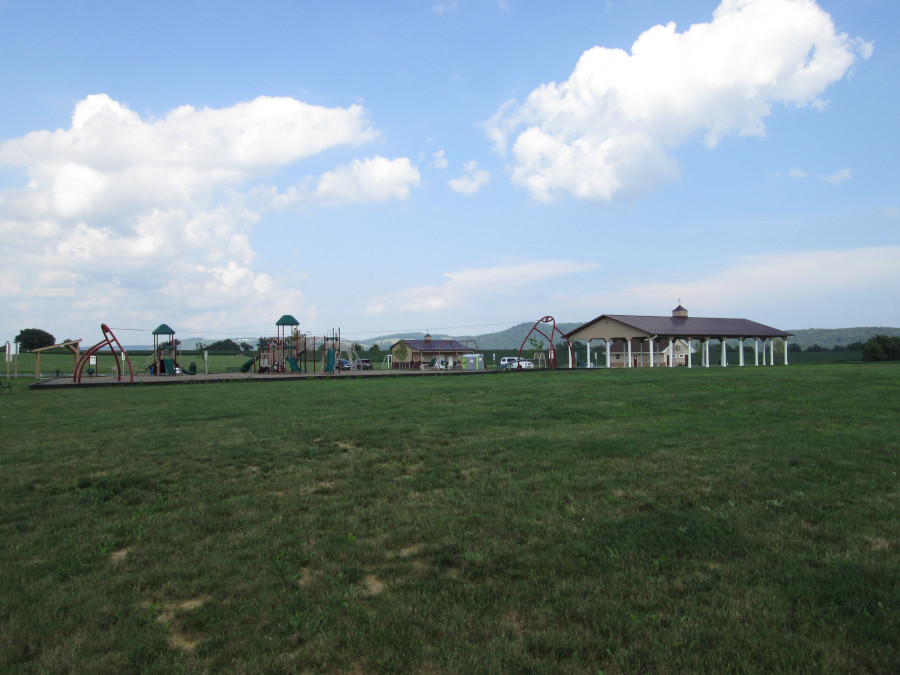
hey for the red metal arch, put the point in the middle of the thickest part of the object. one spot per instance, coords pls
(540, 327)
(109, 340)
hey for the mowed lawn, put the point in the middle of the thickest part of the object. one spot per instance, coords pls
(665, 520)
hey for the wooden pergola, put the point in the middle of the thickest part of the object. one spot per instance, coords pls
(73, 346)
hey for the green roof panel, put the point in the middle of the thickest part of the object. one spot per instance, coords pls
(287, 320)
(163, 329)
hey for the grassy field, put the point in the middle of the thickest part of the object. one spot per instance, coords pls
(629, 521)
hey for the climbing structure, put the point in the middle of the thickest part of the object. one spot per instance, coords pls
(546, 328)
(331, 352)
(164, 359)
(286, 352)
(109, 340)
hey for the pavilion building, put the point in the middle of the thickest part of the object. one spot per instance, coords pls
(654, 341)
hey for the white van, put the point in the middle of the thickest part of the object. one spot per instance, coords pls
(510, 362)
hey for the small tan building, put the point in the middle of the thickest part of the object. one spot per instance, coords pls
(652, 341)
(428, 354)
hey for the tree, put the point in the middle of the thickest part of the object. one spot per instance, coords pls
(30, 339)
(224, 346)
(402, 351)
(882, 348)
(375, 348)
(245, 346)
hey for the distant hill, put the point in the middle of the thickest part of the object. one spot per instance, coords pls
(512, 338)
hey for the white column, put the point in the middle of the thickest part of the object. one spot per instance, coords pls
(671, 352)
(772, 352)
(741, 350)
(652, 354)
(785, 351)
(629, 354)
(706, 352)
(755, 351)
(690, 342)
(587, 343)
(608, 363)
(724, 354)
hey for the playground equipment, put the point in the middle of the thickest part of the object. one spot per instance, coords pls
(336, 352)
(541, 328)
(109, 340)
(73, 346)
(164, 359)
(286, 352)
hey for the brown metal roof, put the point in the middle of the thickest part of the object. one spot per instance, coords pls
(694, 327)
(436, 345)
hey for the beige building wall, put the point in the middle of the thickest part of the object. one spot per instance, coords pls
(607, 329)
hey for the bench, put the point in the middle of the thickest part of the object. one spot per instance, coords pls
(7, 386)
(232, 369)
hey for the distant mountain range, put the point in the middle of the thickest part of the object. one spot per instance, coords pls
(512, 338)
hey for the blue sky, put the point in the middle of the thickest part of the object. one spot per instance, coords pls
(456, 167)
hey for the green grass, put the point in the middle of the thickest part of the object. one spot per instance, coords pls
(721, 520)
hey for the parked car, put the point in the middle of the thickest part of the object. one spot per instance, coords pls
(364, 364)
(509, 362)
(342, 364)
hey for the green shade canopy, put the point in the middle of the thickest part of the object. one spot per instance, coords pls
(287, 320)
(163, 329)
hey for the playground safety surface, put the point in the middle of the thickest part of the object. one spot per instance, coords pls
(156, 380)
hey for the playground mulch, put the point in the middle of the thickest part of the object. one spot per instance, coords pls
(156, 380)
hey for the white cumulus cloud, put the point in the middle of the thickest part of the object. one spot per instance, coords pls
(369, 180)
(611, 126)
(145, 215)
(472, 180)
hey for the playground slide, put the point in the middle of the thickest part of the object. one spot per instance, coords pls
(170, 366)
(247, 366)
(292, 362)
